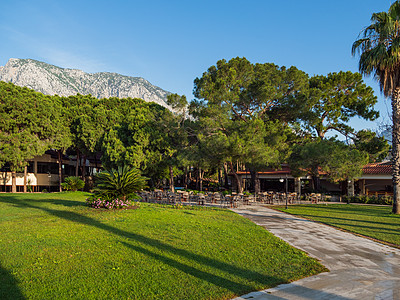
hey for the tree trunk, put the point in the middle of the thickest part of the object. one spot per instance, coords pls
(77, 163)
(226, 183)
(237, 178)
(83, 167)
(297, 186)
(95, 163)
(25, 177)
(350, 187)
(60, 177)
(171, 179)
(201, 173)
(185, 178)
(316, 183)
(220, 181)
(14, 182)
(395, 150)
(197, 176)
(255, 183)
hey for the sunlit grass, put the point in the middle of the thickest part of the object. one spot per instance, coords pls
(373, 221)
(54, 247)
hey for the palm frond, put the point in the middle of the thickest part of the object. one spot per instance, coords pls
(120, 182)
(379, 49)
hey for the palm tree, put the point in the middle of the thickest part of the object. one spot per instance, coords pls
(379, 48)
(121, 182)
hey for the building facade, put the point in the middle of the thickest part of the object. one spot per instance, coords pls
(43, 172)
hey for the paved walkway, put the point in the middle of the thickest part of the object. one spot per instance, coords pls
(359, 268)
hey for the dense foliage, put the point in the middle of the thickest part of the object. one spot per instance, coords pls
(245, 117)
(262, 115)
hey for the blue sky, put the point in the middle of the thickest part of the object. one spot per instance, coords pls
(170, 43)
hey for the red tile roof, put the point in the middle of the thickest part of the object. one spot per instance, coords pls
(384, 168)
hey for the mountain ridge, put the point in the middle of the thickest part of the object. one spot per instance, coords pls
(50, 80)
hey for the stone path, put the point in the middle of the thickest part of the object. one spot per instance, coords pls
(359, 268)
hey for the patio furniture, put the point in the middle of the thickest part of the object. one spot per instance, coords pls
(201, 198)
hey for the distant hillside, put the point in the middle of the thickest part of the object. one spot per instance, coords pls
(50, 80)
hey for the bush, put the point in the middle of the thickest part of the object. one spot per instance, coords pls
(73, 183)
(383, 200)
(121, 183)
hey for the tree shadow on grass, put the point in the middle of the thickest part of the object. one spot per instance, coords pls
(226, 268)
(336, 221)
(15, 200)
(9, 289)
(360, 209)
(311, 217)
(220, 281)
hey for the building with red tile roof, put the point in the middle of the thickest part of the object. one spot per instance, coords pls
(376, 179)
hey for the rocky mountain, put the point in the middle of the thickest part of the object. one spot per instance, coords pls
(50, 80)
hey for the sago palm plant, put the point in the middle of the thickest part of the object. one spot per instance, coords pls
(73, 183)
(119, 183)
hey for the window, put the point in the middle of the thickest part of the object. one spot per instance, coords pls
(45, 167)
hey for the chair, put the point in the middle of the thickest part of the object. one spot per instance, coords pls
(158, 196)
(201, 199)
(171, 198)
(315, 198)
(251, 199)
(184, 197)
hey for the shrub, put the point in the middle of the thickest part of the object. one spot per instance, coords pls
(386, 200)
(73, 183)
(120, 183)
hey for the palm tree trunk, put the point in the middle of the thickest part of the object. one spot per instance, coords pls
(395, 150)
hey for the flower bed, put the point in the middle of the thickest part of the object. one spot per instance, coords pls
(108, 203)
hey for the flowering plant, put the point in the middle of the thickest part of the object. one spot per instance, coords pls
(107, 203)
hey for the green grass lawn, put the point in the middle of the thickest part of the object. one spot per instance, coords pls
(54, 247)
(373, 221)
